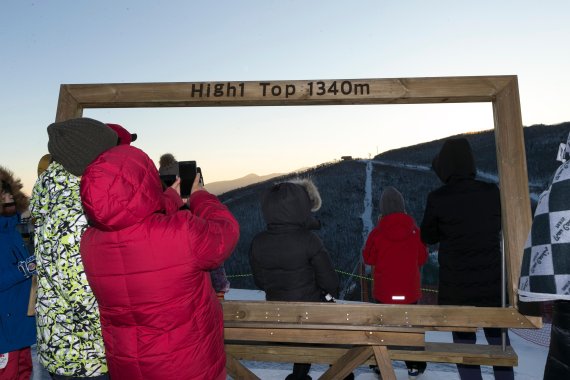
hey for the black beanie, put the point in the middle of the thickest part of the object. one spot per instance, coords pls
(76, 143)
(391, 201)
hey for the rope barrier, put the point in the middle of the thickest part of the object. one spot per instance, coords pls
(336, 270)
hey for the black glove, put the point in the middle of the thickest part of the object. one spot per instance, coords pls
(28, 266)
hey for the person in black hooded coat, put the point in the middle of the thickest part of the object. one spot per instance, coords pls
(288, 260)
(464, 217)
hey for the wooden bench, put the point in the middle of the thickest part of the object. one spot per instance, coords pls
(350, 335)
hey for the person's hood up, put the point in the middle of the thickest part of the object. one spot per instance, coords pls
(454, 160)
(8, 181)
(125, 137)
(291, 203)
(398, 226)
(391, 201)
(120, 188)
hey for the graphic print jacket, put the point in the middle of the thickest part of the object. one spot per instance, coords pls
(68, 326)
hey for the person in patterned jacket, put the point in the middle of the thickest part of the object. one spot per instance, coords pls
(69, 340)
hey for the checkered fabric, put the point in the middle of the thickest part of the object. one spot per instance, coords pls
(545, 270)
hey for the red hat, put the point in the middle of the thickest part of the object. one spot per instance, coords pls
(125, 137)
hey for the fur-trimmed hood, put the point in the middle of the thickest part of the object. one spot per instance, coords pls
(21, 200)
(312, 192)
(291, 203)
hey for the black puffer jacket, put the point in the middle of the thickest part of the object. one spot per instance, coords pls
(288, 260)
(464, 217)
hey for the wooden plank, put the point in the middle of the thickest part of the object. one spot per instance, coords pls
(363, 314)
(67, 106)
(454, 328)
(323, 336)
(328, 326)
(476, 354)
(237, 370)
(384, 363)
(295, 92)
(285, 353)
(513, 179)
(353, 358)
(479, 354)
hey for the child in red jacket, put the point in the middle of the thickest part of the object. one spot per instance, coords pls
(395, 251)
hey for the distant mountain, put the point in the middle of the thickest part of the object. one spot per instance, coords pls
(221, 187)
(541, 144)
(342, 188)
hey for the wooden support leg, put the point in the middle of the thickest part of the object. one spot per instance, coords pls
(384, 363)
(347, 363)
(237, 370)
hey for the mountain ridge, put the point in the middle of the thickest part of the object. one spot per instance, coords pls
(220, 187)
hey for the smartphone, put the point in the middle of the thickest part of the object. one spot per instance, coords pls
(199, 170)
(168, 179)
(187, 173)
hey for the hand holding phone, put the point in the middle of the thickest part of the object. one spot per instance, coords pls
(197, 185)
(199, 170)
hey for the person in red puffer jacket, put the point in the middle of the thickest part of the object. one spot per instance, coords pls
(396, 252)
(148, 265)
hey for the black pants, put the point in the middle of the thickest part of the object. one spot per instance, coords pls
(558, 360)
(63, 377)
(301, 371)
(473, 372)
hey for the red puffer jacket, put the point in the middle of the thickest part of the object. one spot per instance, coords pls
(149, 270)
(396, 251)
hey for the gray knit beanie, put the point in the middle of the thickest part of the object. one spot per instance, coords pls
(391, 201)
(75, 143)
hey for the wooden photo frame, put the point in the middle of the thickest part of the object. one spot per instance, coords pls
(501, 91)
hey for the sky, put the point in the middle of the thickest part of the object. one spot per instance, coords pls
(44, 44)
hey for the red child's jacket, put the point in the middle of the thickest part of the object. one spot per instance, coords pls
(395, 249)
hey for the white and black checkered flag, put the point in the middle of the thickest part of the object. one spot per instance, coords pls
(545, 270)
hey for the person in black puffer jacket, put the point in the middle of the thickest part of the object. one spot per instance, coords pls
(464, 217)
(289, 261)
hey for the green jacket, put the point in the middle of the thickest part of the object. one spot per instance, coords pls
(68, 326)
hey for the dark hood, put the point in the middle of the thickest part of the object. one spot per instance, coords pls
(291, 203)
(455, 160)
